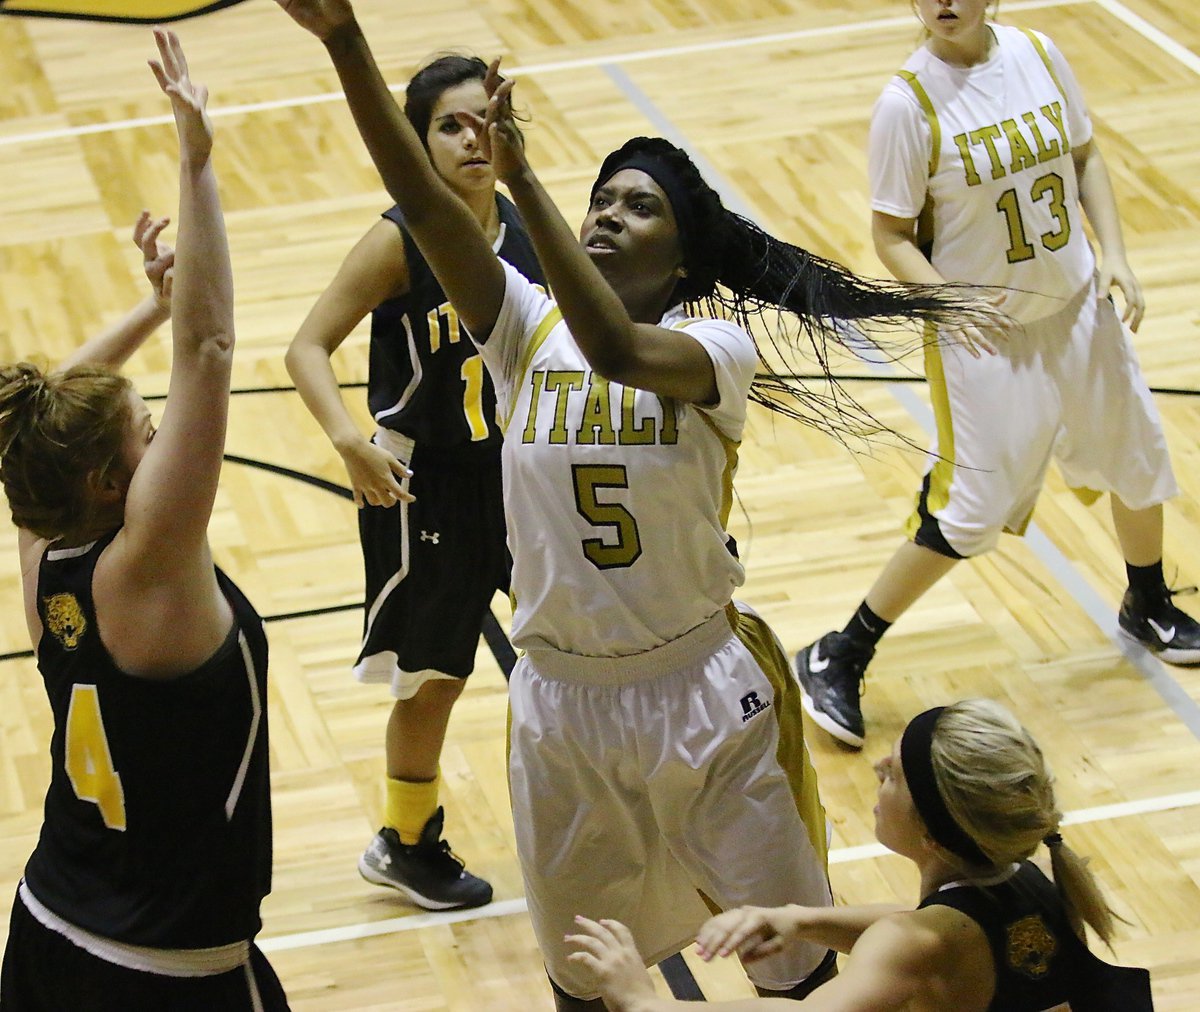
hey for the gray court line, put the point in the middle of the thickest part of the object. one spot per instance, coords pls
(511, 907)
(1082, 592)
(1068, 577)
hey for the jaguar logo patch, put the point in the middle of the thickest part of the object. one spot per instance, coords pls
(1030, 946)
(64, 619)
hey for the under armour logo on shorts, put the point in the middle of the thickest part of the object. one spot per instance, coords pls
(751, 706)
(431, 536)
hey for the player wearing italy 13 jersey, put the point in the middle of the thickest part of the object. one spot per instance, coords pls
(981, 159)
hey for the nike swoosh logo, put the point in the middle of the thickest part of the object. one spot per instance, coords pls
(1166, 635)
(818, 663)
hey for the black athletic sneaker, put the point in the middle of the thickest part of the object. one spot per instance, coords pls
(1162, 629)
(830, 673)
(427, 873)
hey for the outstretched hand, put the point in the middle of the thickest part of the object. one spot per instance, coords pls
(500, 140)
(188, 99)
(158, 259)
(608, 950)
(321, 17)
(751, 932)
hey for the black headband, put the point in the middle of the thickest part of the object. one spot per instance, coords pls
(916, 758)
(661, 171)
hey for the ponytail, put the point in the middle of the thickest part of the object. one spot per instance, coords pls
(1080, 890)
(998, 788)
(736, 269)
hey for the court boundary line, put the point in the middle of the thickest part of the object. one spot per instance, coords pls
(609, 63)
(508, 908)
(1053, 559)
(1152, 670)
(553, 67)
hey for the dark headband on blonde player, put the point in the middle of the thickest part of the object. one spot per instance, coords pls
(916, 757)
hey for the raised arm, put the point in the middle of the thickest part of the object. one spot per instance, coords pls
(113, 347)
(374, 270)
(622, 346)
(441, 224)
(171, 495)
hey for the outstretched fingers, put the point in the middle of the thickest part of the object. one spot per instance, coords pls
(170, 67)
(595, 938)
(188, 99)
(493, 78)
(723, 934)
(146, 231)
(320, 17)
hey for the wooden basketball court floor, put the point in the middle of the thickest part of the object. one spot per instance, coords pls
(774, 96)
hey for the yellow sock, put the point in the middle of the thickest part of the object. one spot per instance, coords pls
(410, 805)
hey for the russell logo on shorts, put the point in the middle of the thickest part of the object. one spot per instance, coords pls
(752, 706)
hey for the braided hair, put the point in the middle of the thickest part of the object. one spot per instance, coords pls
(733, 268)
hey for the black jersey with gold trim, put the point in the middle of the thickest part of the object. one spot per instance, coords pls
(426, 378)
(1041, 964)
(157, 827)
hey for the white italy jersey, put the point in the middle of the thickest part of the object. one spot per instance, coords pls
(616, 498)
(989, 146)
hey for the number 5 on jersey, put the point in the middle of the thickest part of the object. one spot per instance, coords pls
(89, 760)
(628, 548)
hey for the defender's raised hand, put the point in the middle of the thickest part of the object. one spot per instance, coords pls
(188, 99)
(321, 17)
(158, 259)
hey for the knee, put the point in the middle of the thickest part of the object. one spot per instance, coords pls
(437, 695)
(824, 973)
(564, 1002)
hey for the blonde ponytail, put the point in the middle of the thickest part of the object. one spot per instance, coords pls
(998, 788)
(1080, 892)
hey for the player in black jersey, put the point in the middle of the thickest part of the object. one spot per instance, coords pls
(431, 518)
(155, 851)
(966, 795)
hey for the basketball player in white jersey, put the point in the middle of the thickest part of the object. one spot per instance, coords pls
(981, 159)
(656, 746)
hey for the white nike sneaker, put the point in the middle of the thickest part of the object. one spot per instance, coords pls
(1164, 630)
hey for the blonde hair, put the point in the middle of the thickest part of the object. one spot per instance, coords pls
(997, 786)
(60, 435)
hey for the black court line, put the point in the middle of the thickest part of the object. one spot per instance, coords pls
(679, 979)
(801, 377)
(493, 633)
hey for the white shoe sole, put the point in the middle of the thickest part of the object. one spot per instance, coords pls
(823, 720)
(375, 878)
(1172, 655)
